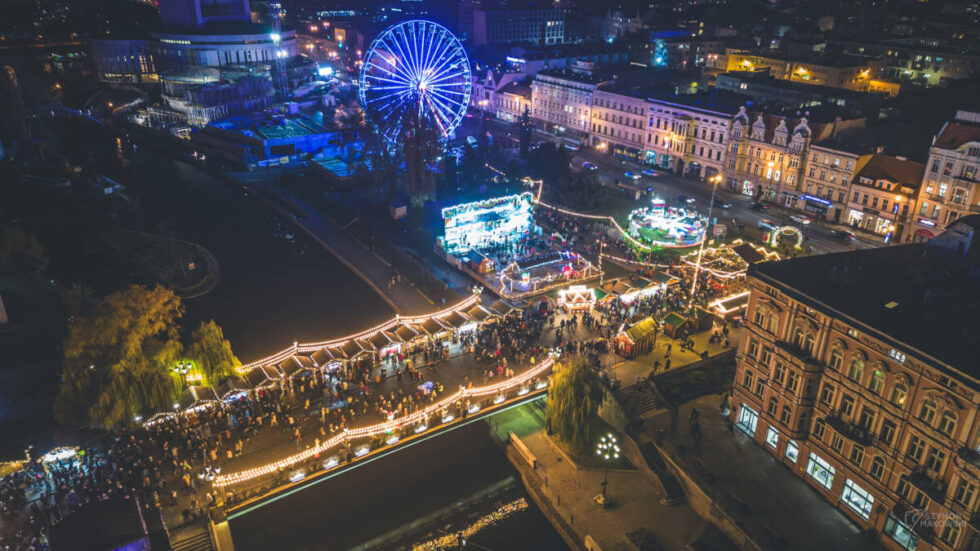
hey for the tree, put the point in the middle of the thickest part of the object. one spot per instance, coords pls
(118, 358)
(211, 352)
(525, 132)
(21, 248)
(573, 404)
(421, 146)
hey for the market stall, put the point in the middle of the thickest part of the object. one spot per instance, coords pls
(196, 397)
(576, 297)
(262, 377)
(674, 324)
(637, 339)
(232, 389)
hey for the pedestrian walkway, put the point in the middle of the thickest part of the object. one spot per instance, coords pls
(403, 297)
(769, 500)
(635, 504)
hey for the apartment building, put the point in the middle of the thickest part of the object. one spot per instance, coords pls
(688, 133)
(849, 71)
(511, 101)
(951, 186)
(619, 123)
(766, 154)
(883, 195)
(827, 178)
(561, 101)
(868, 388)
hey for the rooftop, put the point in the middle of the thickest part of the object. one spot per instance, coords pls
(955, 134)
(821, 60)
(574, 75)
(894, 169)
(924, 297)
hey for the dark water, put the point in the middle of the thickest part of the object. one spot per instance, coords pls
(277, 285)
(378, 497)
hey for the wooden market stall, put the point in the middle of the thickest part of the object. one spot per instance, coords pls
(674, 323)
(638, 339)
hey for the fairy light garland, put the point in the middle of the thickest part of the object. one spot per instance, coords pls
(383, 427)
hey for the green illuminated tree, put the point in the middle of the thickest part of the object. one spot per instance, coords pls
(572, 412)
(211, 353)
(118, 358)
(525, 132)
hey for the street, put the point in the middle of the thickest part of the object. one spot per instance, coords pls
(611, 170)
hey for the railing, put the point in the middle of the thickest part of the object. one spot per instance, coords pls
(850, 431)
(799, 352)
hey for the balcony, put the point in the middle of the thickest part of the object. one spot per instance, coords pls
(799, 353)
(929, 483)
(851, 431)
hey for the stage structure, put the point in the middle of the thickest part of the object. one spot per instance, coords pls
(660, 225)
(497, 242)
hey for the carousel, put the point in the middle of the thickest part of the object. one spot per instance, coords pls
(660, 225)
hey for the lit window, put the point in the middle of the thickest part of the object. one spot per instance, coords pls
(772, 437)
(820, 470)
(857, 498)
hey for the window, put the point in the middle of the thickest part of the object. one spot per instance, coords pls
(773, 407)
(857, 454)
(836, 442)
(785, 416)
(827, 394)
(779, 373)
(792, 381)
(916, 447)
(899, 393)
(836, 359)
(760, 386)
(847, 406)
(772, 437)
(818, 427)
(964, 492)
(951, 531)
(820, 470)
(897, 356)
(888, 429)
(927, 412)
(747, 420)
(753, 348)
(747, 379)
(935, 459)
(792, 450)
(900, 533)
(877, 382)
(947, 423)
(765, 356)
(856, 370)
(877, 468)
(867, 417)
(857, 498)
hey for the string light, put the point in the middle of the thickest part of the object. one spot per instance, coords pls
(388, 425)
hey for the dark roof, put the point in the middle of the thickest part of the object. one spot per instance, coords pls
(956, 134)
(893, 169)
(748, 253)
(98, 526)
(918, 297)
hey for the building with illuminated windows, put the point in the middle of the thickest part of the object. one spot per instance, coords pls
(951, 186)
(883, 196)
(561, 101)
(859, 373)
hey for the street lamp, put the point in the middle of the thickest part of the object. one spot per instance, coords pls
(715, 180)
(608, 450)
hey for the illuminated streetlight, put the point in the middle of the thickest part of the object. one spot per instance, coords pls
(608, 450)
(715, 180)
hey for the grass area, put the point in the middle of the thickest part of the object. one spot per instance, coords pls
(644, 540)
(591, 460)
(714, 376)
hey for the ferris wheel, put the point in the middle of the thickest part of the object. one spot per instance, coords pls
(415, 72)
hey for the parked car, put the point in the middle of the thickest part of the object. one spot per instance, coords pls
(650, 172)
(684, 200)
(589, 166)
(800, 218)
(843, 234)
(723, 204)
(758, 206)
(631, 175)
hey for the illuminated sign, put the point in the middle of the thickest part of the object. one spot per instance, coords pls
(925, 222)
(516, 60)
(817, 200)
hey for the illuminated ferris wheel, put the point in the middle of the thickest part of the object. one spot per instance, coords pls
(415, 72)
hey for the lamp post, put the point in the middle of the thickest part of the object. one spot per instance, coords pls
(896, 211)
(697, 266)
(608, 450)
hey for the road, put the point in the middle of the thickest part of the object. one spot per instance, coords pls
(669, 186)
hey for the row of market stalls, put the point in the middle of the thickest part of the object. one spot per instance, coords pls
(374, 346)
(637, 338)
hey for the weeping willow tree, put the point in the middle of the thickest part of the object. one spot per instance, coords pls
(118, 358)
(572, 412)
(211, 352)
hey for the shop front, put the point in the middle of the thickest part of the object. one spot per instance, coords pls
(650, 158)
(869, 219)
(788, 199)
(816, 205)
(924, 231)
(748, 419)
(748, 188)
(625, 152)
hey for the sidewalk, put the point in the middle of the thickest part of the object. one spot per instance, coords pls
(776, 506)
(635, 503)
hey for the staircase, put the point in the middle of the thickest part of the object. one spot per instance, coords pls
(191, 537)
(637, 399)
